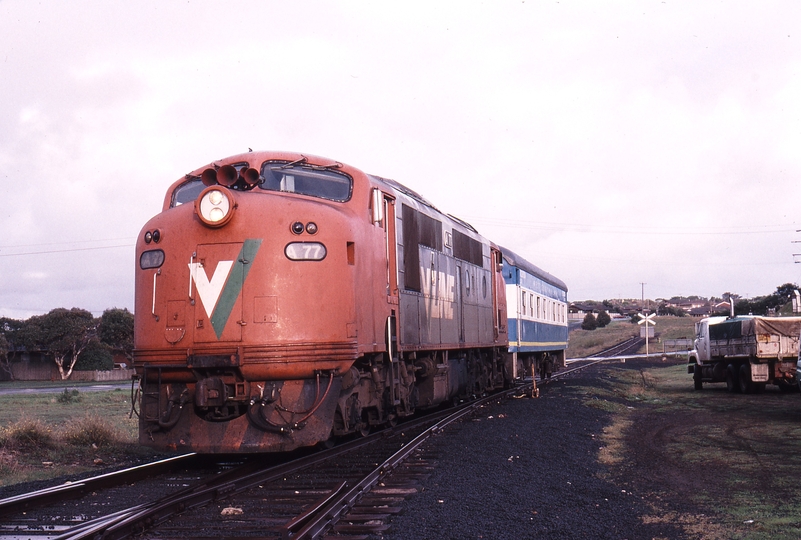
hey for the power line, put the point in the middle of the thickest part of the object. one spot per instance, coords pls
(127, 239)
(625, 229)
(69, 250)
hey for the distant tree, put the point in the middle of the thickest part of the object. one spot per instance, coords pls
(63, 334)
(10, 332)
(116, 330)
(784, 293)
(603, 319)
(589, 322)
(764, 305)
(95, 357)
(669, 310)
(4, 363)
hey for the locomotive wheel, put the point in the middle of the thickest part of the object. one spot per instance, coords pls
(732, 380)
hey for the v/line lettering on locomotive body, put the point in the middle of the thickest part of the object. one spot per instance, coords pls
(284, 299)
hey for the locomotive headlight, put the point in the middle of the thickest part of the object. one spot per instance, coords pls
(215, 206)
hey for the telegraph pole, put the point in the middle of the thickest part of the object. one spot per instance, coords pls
(643, 293)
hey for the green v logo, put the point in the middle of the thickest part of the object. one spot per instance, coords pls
(218, 294)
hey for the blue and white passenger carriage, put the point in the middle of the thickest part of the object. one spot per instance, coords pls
(537, 317)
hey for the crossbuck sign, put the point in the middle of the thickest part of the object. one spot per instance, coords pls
(646, 320)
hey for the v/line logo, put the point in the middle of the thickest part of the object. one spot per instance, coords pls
(218, 294)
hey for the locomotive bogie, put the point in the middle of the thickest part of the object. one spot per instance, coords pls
(287, 415)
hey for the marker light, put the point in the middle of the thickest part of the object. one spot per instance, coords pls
(297, 227)
(215, 206)
(311, 228)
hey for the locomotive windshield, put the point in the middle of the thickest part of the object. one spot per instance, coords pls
(187, 192)
(282, 176)
(306, 180)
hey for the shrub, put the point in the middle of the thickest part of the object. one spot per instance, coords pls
(69, 396)
(96, 357)
(589, 322)
(8, 463)
(603, 319)
(87, 431)
(26, 434)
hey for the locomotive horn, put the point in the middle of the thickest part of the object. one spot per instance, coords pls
(227, 175)
(250, 176)
(209, 177)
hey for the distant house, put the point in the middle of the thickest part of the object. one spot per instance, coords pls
(723, 308)
(700, 312)
(577, 311)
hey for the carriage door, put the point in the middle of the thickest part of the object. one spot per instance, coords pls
(217, 273)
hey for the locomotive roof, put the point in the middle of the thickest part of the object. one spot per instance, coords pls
(419, 198)
(516, 260)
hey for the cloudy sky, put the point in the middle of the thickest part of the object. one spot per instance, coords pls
(610, 143)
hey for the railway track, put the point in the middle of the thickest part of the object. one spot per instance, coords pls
(348, 491)
(628, 346)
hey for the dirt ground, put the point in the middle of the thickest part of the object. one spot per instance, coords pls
(722, 465)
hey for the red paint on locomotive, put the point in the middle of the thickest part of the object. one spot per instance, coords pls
(282, 299)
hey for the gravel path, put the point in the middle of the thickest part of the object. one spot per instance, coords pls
(527, 468)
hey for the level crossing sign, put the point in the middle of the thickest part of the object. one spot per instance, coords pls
(646, 320)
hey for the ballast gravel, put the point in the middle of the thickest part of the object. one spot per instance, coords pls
(527, 468)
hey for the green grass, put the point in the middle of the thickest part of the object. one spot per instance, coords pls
(586, 342)
(735, 457)
(44, 436)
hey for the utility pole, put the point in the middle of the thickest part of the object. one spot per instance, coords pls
(643, 293)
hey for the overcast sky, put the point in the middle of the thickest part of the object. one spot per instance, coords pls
(610, 143)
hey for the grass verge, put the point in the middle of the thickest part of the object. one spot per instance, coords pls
(583, 343)
(44, 436)
(721, 465)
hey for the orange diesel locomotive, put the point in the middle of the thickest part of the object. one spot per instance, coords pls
(284, 299)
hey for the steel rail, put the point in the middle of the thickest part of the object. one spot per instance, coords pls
(623, 345)
(339, 505)
(314, 521)
(51, 494)
(135, 520)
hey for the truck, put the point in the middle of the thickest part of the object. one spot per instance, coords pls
(746, 352)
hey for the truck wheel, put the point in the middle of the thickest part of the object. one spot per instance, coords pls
(732, 380)
(697, 378)
(746, 386)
